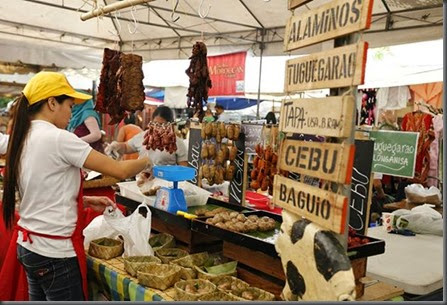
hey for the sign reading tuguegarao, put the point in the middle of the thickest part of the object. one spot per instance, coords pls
(328, 161)
(339, 67)
(330, 116)
(334, 19)
(325, 208)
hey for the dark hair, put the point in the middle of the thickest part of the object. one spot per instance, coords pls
(270, 118)
(129, 119)
(164, 112)
(219, 106)
(20, 128)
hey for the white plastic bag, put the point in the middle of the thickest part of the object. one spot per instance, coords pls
(135, 230)
(99, 228)
(416, 193)
(421, 219)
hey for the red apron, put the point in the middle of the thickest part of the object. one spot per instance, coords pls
(13, 282)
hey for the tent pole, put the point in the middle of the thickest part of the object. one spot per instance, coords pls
(261, 47)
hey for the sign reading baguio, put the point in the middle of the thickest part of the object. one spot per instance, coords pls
(311, 116)
(227, 73)
(394, 152)
(325, 208)
(339, 67)
(336, 18)
(328, 161)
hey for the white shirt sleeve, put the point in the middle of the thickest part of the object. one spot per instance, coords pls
(182, 152)
(136, 143)
(72, 149)
(4, 138)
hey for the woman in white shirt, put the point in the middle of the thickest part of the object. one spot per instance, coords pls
(44, 164)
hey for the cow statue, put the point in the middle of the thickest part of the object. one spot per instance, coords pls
(315, 264)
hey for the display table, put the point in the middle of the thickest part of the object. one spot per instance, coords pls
(111, 279)
(414, 263)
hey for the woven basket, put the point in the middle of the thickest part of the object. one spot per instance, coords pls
(168, 254)
(229, 283)
(182, 293)
(189, 261)
(103, 182)
(106, 248)
(202, 274)
(255, 293)
(162, 240)
(188, 273)
(134, 263)
(218, 296)
(158, 276)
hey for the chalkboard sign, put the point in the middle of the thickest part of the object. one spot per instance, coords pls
(236, 191)
(252, 136)
(361, 185)
(195, 143)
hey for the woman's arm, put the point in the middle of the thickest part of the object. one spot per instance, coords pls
(118, 169)
(93, 128)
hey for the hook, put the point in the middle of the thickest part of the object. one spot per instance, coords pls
(117, 14)
(174, 8)
(134, 20)
(203, 15)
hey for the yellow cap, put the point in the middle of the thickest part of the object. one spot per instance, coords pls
(46, 84)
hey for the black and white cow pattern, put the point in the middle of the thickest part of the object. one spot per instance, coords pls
(315, 264)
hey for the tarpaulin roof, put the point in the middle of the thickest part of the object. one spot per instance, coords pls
(50, 32)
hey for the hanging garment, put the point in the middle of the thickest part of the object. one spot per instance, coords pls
(422, 123)
(429, 93)
(13, 282)
(434, 152)
(393, 98)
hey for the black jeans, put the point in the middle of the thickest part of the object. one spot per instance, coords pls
(51, 279)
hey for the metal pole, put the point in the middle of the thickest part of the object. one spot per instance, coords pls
(261, 47)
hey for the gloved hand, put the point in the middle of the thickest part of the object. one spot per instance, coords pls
(146, 174)
(113, 150)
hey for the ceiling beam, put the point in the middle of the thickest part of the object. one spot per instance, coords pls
(109, 16)
(80, 36)
(197, 16)
(251, 13)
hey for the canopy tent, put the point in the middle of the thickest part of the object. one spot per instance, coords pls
(50, 33)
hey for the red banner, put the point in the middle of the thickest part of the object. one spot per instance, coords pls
(227, 74)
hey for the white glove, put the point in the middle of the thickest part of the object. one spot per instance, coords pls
(112, 150)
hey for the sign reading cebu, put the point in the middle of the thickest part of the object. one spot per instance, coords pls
(311, 116)
(325, 208)
(329, 161)
(339, 67)
(328, 21)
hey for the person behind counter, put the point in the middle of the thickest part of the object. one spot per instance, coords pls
(161, 115)
(270, 118)
(85, 123)
(127, 132)
(221, 116)
(43, 163)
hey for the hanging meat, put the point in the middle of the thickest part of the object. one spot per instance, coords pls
(121, 85)
(160, 136)
(199, 79)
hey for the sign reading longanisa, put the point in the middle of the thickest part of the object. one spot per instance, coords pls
(394, 152)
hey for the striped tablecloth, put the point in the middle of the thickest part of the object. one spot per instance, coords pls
(112, 279)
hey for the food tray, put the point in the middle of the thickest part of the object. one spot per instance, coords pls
(374, 247)
(174, 172)
(262, 243)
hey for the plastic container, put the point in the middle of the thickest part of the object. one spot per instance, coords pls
(174, 172)
(261, 202)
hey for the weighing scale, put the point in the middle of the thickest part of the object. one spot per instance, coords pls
(172, 199)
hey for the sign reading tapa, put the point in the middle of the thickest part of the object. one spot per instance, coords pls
(325, 208)
(339, 67)
(331, 20)
(311, 116)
